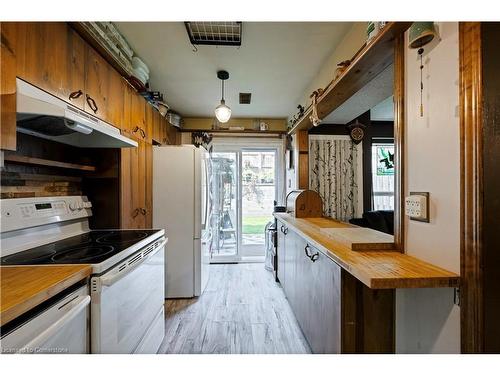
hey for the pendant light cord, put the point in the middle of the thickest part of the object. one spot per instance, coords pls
(222, 89)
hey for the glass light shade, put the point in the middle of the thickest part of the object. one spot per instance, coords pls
(223, 112)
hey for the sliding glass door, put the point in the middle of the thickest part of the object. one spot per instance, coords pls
(225, 211)
(245, 184)
(258, 193)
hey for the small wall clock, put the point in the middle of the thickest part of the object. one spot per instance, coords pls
(356, 132)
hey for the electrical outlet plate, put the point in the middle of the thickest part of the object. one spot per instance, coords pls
(420, 214)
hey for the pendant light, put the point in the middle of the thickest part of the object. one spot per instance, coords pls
(223, 112)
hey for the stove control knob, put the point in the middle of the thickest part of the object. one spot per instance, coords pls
(73, 206)
(80, 206)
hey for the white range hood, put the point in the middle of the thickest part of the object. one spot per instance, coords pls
(43, 115)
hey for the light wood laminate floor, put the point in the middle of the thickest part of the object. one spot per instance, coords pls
(242, 311)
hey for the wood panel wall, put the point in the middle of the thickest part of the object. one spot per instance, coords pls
(19, 181)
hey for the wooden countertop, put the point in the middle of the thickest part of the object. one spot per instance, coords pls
(376, 269)
(24, 287)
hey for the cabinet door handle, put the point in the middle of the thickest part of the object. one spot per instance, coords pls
(92, 104)
(306, 250)
(75, 94)
(143, 211)
(135, 213)
(313, 257)
(282, 229)
(285, 231)
(140, 130)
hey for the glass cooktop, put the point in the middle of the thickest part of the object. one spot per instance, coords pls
(89, 248)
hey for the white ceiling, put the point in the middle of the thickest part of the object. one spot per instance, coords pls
(376, 91)
(276, 62)
(383, 111)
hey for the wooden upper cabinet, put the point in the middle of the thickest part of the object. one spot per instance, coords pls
(156, 134)
(52, 56)
(149, 124)
(8, 86)
(116, 95)
(137, 116)
(97, 84)
(171, 133)
(127, 109)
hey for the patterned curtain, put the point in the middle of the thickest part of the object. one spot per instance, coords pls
(333, 173)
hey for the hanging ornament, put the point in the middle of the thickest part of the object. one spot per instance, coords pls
(314, 118)
(420, 34)
(420, 53)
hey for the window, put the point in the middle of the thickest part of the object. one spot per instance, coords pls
(383, 175)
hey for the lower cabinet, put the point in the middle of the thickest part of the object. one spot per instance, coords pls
(335, 311)
(315, 295)
(136, 186)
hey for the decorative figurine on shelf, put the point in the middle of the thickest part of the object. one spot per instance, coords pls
(341, 67)
(301, 110)
(314, 118)
(356, 131)
(202, 139)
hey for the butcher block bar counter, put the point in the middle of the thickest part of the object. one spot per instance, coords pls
(25, 287)
(377, 269)
(340, 279)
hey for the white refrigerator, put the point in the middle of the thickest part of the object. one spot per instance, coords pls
(181, 205)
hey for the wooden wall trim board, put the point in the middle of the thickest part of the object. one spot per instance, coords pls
(471, 190)
(399, 141)
(471, 310)
(490, 236)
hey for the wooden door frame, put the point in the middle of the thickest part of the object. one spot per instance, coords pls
(471, 187)
(399, 141)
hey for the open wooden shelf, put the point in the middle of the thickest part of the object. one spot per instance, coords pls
(371, 60)
(21, 159)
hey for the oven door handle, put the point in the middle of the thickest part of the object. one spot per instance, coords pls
(78, 305)
(113, 278)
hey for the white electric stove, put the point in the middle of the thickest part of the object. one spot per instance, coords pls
(127, 282)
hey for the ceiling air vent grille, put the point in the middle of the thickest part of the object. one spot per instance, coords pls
(245, 97)
(214, 33)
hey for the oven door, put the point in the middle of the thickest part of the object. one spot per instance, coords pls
(126, 302)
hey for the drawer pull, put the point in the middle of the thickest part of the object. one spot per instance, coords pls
(143, 211)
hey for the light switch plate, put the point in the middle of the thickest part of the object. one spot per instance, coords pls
(417, 206)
